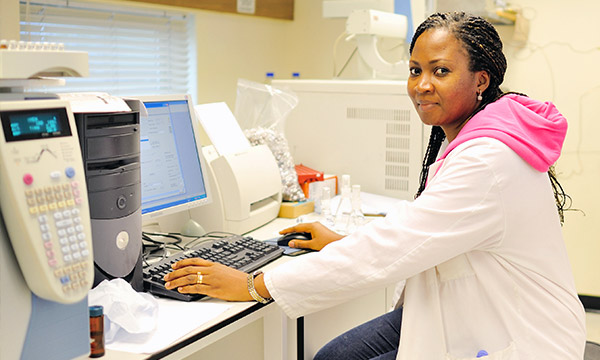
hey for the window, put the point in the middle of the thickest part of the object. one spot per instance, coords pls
(132, 51)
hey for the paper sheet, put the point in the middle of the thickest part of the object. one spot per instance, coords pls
(91, 102)
(222, 128)
(175, 320)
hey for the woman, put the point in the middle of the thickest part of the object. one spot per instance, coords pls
(480, 248)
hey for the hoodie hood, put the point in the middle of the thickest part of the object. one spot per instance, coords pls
(534, 130)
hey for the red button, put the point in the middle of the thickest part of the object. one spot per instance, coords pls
(27, 179)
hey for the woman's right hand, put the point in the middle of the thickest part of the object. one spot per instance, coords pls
(321, 236)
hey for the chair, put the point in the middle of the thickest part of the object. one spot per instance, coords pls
(592, 351)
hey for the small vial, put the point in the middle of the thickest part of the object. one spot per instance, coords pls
(96, 331)
(357, 218)
(269, 77)
(342, 214)
(326, 206)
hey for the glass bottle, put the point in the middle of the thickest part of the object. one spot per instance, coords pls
(96, 331)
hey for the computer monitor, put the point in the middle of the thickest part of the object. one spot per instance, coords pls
(173, 170)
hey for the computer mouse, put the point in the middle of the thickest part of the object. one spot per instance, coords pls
(285, 239)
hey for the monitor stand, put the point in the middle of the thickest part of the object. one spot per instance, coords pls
(192, 228)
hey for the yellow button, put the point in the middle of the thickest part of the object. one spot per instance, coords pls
(43, 208)
(33, 210)
(52, 206)
(71, 202)
(61, 204)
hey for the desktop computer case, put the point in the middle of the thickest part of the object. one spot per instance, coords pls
(110, 144)
(368, 129)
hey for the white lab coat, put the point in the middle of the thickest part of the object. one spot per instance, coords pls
(483, 257)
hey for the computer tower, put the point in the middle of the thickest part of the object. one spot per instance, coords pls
(110, 144)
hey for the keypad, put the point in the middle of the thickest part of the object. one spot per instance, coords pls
(62, 235)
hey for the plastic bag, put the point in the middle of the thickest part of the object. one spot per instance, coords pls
(261, 109)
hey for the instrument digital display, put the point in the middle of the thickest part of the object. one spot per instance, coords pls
(35, 124)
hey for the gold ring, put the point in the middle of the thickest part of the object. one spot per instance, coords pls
(199, 280)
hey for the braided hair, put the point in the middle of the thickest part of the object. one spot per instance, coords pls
(484, 48)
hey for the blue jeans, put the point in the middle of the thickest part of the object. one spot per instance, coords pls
(376, 339)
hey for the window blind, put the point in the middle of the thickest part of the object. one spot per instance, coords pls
(131, 51)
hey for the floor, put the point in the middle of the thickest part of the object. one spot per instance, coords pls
(592, 320)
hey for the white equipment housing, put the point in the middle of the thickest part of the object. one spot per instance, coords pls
(367, 129)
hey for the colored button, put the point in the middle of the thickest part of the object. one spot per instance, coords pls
(55, 175)
(28, 179)
(70, 172)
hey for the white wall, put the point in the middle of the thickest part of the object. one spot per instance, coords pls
(559, 64)
(232, 46)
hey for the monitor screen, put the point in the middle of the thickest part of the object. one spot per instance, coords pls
(173, 171)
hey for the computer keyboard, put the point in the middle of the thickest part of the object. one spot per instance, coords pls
(239, 252)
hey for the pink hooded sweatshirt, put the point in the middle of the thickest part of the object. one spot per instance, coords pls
(534, 130)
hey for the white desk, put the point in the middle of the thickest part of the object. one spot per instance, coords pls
(250, 330)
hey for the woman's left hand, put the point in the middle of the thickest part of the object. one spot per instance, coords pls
(198, 276)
